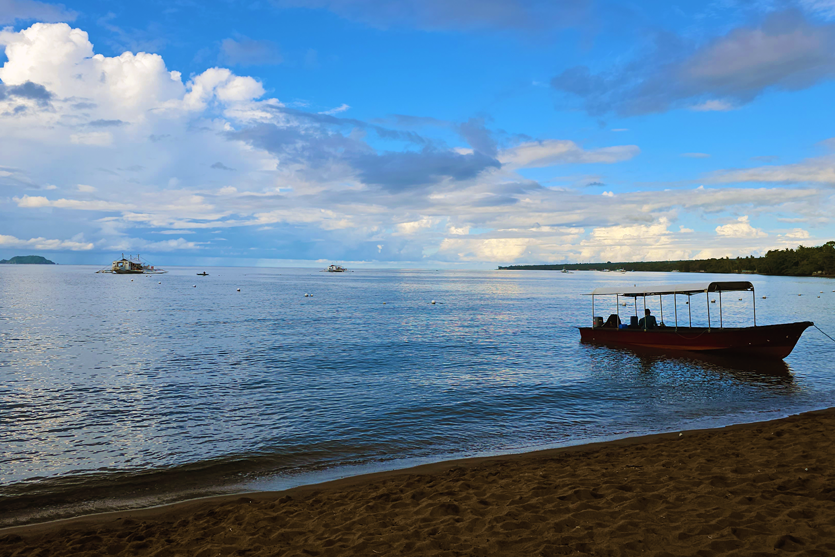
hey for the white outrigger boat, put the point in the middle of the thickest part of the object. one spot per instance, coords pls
(335, 269)
(132, 266)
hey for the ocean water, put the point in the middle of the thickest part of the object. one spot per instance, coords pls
(122, 391)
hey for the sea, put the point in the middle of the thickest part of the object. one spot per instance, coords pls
(119, 392)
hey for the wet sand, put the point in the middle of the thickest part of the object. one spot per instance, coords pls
(754, 489)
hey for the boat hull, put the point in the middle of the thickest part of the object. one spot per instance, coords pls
(769, 341)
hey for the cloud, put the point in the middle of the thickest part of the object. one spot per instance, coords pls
(30, 202)
(823, 8)
(461, 14)
(101, 139)
(26, 90)
(44, 244)
(696, 155)
(85, 188)
(815, 170)
(796, 234)
(479, 137)
(106, 123)
(560, 151)
(785, 52)
(220, 166)
(26, 10)
(740, 229)
(341, 108)
(399, 170)
(249, 52)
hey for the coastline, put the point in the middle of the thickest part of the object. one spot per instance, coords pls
(723, 489)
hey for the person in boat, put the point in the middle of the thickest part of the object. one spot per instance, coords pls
(647, 321)
(613, 322)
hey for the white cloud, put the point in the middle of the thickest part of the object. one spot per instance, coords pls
(12, 10)
(560, 151)
(493, 249)
(341, 108)
(608, 194)
(816, 170)
(796, 234)
(695, 155)
(412, 227)
(102, 139)
(77, 244)
(740, 229)
(85, 188)
(713, 106)
(824, 8)
(458, 231)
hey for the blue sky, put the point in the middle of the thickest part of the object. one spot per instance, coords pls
(417, 133)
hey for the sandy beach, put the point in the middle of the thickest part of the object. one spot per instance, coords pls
(750, 489)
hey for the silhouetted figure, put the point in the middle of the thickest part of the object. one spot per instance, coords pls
(647, 321)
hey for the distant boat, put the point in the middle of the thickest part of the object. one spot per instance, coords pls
(132, 266)
(203, 274)
(336, 269)
(763, 341)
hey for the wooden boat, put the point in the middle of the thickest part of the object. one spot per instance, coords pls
(132, 266)
(764, 341)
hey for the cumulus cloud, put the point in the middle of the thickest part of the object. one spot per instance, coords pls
(785, 52)
(740, 229)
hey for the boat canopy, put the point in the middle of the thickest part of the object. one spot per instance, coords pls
(692, 288)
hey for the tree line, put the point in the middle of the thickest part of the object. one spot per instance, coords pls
(800, 262)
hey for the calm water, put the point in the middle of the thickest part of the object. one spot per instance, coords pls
(119, 392)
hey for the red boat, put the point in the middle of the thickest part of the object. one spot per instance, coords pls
(768, 341)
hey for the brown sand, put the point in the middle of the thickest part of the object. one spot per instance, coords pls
(755, 489)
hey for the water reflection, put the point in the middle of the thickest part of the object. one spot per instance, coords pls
(649, 360)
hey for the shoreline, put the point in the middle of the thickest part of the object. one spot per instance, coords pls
(584, 470)
(345, 476)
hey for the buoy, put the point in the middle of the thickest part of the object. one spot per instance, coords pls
(713, 301)
(763, 297)
(740, 299)
(433, 302)
(311, 295)
(239, 289)
(194, 286)
(384, 303)
(306, 295)
(131, 280)
(160, 282)
(800, 294)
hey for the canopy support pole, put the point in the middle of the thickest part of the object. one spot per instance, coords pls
(721, 326)
(689, 313)
(617, 307)
(675, 307)
(754, 298)
(707, 298)
(645, 312)
(592, 311)
(661, 303)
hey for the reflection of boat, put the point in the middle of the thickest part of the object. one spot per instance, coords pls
(769, 341)
(336, 269)
(132, 266)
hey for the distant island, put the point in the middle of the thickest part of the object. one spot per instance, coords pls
(27, 260)
(802, 262)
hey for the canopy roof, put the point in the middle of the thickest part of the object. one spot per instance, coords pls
(691, 288)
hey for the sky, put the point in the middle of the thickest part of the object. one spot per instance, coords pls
(415, 134)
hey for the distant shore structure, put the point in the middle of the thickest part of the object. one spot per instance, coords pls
(335, 269)
(132, 266)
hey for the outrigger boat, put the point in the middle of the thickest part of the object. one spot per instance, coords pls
(763, 341)
(131, 266)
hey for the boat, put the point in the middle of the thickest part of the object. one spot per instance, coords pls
(336, 269)
(132, 266)
(203, 274)
(760, 341)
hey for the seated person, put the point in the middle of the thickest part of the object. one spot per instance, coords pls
(613, 322)
(647, 321)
